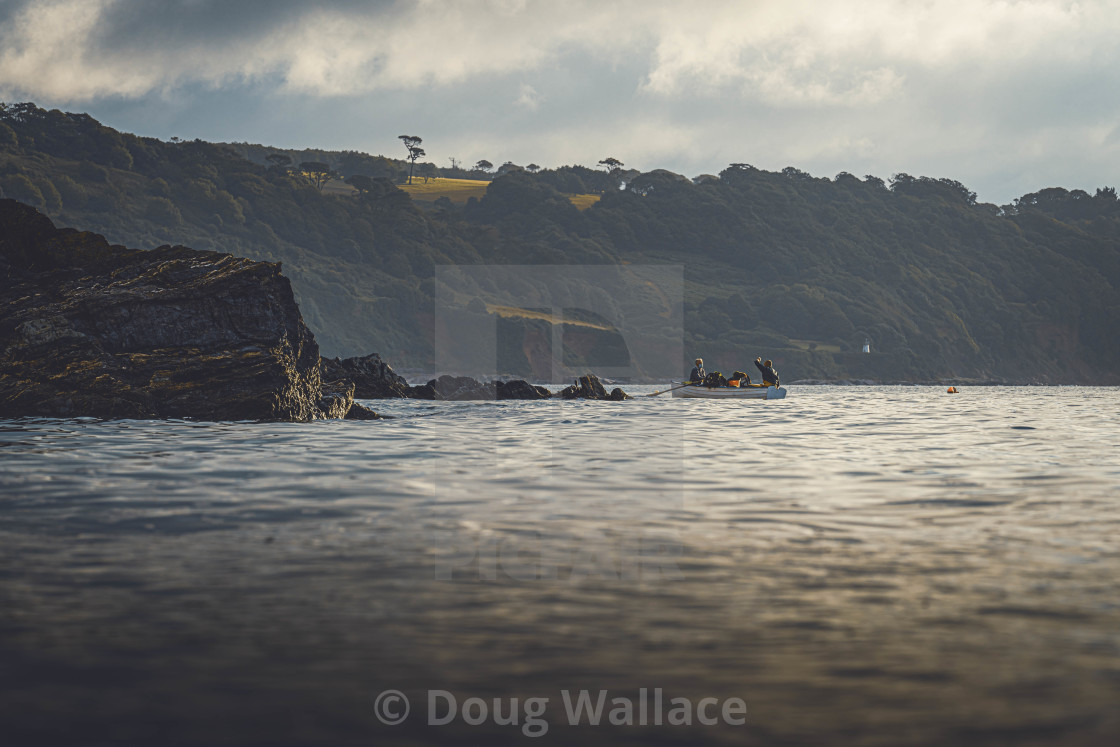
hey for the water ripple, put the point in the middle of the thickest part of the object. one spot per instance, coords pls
(945, 563)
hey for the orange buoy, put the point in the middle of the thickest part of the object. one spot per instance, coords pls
(951, 390)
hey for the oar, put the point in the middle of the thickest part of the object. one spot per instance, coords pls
(670, 390)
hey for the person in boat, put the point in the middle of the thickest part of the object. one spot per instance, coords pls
(769, 375)
(739, 378)
(698, 373)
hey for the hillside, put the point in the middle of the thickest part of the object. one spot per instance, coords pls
(797, 268)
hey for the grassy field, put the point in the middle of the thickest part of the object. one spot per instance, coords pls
(456, 190)
(460, 190)
(583, 201)
(517, 313)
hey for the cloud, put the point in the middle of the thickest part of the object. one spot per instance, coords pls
(979, 90)
(849, 53)
(528, 98)
(80, 49)
(794, 52)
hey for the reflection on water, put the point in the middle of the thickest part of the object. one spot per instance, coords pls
(860, 565)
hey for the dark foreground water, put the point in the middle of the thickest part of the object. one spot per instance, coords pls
(879, 565)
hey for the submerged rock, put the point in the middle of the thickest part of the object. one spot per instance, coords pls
(360, 412)
(589, 387)
(463, 388)
(92, 329)
(520, 389)
(373, 378)
(424, 391)
(459, 388)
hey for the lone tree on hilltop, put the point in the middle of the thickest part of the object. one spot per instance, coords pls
(318, 172)
(484, 165)
(611, 164)
(532, 168)
(412, 144)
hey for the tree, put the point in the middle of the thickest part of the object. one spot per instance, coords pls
(318, 172)
(532, 168)
(279, 160)
(611, 164)
(925, 186)
(484, 165)
(412, 145)
(360, 182)
(8, 138)
(454, 163)
(20, 187)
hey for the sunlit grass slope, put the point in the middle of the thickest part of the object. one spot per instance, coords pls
(513, 312)
(583, 201)
(461, 190)
(456, 190)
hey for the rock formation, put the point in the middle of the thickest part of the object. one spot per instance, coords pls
(519, 389)
(455, 388)
(91, 329)
(460, 388)
(375, 379)
(361, 412)
(372, 377)
(336, 398)
(589, 387)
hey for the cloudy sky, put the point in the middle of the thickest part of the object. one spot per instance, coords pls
(1007, 96)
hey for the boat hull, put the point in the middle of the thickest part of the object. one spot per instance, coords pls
(730, 392)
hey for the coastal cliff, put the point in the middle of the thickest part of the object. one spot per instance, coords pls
(93, 329)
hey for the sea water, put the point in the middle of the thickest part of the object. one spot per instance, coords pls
(856, 565)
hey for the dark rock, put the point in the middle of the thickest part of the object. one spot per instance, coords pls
(336, 398)
(463, 388)
(91, 329)
(360, 412)
(520, 389)
(372, 377)
(589, 387)
(375, 379)
(590, 383)
(457, 388)
(424, 391)
(460, 388)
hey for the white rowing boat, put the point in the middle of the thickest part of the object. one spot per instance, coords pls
(696, 391)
